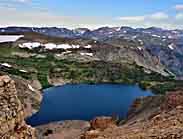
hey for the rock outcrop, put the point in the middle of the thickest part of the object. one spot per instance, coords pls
(28, 94)
(62, 130)
(98, 125)
(102, 123)
(12, 114)
(158, 117)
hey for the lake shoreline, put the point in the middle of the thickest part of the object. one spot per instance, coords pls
(115, 98)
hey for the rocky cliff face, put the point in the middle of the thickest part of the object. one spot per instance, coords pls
(62, 130)
(28, 93)
(12, 114)
(163, 45)
(159, 117)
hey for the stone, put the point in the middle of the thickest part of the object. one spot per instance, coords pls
(92, 134)
(29, 98)
(102, 123)
(12, 124)
(157, 117)
(1, 83)
(62, 130)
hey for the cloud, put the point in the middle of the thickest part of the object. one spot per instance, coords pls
(22, 1)
(132, 18)
(158, 16)
(36, 16)
(179, 7)
(47, 19)
(179, 17)
(155, 16)
(159, 19)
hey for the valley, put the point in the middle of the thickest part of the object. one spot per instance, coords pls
(91, 69)
(39, 59)
(57, 61)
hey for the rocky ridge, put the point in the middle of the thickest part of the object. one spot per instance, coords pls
(164, 45)
(158, 117)
(62, 130)
(154, 117)
(28, 92)
(29, 95)
(12, 114)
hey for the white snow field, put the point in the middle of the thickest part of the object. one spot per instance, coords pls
(51, 46)
(9, 38)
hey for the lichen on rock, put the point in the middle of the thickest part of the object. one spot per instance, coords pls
(12, 124)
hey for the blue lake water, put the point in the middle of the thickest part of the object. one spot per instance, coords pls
(84, 102)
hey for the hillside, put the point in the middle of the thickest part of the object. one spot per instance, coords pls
(12, 112)
(158, 117)
(163, 45)
(55, 61)
(36, 59)
(148, 118)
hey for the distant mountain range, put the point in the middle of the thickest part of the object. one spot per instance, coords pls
(165, 45)
(100, 33)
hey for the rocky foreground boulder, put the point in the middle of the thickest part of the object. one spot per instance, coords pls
(157, 117)
(74, 129)
(154, 117)
(62, 130)
(12, 114)
(102, 123)
(98, 125)
(28, 93)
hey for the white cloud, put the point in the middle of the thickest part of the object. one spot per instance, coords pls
(22, 1)
(154, 16)
(159, 19)
(179, 16)
(132, 18)
(37, 17)
(158, 16)
(179, 7)
(47, 19)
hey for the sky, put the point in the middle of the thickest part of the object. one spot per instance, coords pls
(92, 13)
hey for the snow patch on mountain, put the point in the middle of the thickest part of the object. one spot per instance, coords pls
(31, 88)
(88, 46)
(67, 46)
(118, 28)
(86, 54)
(171, 46)
(30, 45)
(9, 38)
(140, 48)
(51, 46)
(154, 35)
(6, 65)
(24, 71)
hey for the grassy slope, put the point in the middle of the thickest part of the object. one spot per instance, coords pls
(83, 72)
